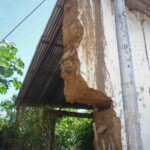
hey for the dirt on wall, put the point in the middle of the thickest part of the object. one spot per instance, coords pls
(107, 126)
(76, 88)
(107, 129)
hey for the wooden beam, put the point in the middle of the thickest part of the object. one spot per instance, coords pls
(70, 114)
(61, 104)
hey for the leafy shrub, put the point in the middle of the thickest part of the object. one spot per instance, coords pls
(74, 134)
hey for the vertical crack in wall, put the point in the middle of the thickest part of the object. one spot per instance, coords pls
(76, 88)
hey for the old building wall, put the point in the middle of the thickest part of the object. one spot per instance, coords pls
(139, 29)
(90, 66)
(92, 52)
(113, 81)
(77, 33)
(84, 70)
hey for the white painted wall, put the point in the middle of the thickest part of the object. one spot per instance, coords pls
(139, 32)
(113, 82)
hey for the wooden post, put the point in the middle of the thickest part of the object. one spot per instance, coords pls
(52, 133)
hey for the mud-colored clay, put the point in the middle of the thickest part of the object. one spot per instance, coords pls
(76, 89)
(108, 128)
(82, 32)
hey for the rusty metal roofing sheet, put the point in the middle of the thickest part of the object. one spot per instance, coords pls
(43, 84)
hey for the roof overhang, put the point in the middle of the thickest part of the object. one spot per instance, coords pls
(43, 84)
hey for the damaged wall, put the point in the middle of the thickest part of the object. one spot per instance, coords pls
(140, 45)
(107, 130)
(83, 67)
(78, 42)
(90, 66)
(139, 29)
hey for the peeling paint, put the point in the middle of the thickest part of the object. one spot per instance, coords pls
(97, 57)
(83, 65)
(140, 47)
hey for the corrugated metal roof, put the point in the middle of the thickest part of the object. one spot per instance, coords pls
(43, 84)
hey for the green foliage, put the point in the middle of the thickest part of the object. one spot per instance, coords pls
(74, 134)
(29, 128)
(10, 65)
(32, 130)
(7, 120)
(23, 129)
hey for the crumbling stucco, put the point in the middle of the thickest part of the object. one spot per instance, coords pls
(108, 130)
(76, 88)
(92, 39)
(83, 66)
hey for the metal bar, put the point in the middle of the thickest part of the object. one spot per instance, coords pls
(130, 102)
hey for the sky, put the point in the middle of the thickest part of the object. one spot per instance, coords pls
(27, 35)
